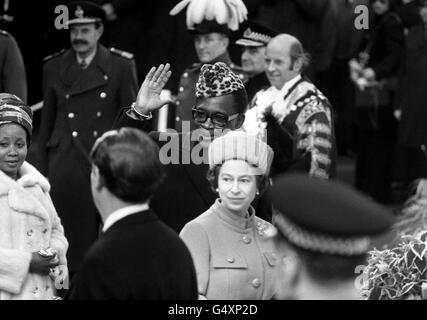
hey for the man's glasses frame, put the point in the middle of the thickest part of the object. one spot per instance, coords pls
(218, 119)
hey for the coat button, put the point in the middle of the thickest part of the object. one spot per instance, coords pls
(177, 119)
(30, 232)
(105, 77)
(181, 89)
(185, 74)
(98, 114)
(75, 134)
(230, 260)
(95, 133)
(256, 283)
(103, 95)
(71, 115)
(67, 96)
(178, 103)
(247, 240)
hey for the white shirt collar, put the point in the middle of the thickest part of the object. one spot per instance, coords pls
(290, 84)
(88, 59)
(122, 213)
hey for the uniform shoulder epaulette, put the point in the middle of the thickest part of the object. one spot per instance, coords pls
(243, 75)
(4, 33)
(47, 58)
(122, 53)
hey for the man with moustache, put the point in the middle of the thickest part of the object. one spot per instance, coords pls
(293, 108)
(83, 89)
(254, 40)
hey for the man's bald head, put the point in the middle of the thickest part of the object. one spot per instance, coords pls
(285, 58)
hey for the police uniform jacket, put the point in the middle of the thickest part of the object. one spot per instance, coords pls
(12, 70)
(305, 115)
(186, 98)
(79, 106)
(137, 258)
(232, 256)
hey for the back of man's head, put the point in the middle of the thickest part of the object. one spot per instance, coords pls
(128, 164)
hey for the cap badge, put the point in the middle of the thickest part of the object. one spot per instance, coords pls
(247, 32)
(79, 12)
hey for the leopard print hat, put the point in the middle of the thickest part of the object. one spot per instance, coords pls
(217, 80)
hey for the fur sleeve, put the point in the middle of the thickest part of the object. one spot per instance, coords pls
(58, 242)
(14, 266)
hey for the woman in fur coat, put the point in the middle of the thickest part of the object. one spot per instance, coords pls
(33, 247)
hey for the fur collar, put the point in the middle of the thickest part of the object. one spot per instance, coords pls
(20, 199)
(29, 177)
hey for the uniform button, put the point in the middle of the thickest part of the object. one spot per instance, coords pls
(256, 283)
(105, 77)
(247, 240)
(177, 119)
(71, 115)
(98, 114)
(185, 74)
(181, 89)
(95, 133)
(230, 260)
(75, 134)
(178, 103)
(241, 76)
(30, 233)
(103, 95)
(67, 96)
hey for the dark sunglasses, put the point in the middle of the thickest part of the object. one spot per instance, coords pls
(218, 119)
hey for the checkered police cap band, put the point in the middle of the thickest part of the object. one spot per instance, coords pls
(317, 242)
(217, 80)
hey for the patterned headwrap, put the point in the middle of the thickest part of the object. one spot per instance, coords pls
(217, 80)
(14, 110)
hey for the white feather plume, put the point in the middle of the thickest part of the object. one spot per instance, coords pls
(230, 12)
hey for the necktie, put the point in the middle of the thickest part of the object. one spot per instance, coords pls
(83, 64)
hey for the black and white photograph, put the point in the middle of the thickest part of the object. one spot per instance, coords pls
(231, 151)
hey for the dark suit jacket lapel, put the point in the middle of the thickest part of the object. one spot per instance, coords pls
(70, 72)
(96, 75)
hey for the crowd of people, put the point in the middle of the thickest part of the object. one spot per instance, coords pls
(213, 180)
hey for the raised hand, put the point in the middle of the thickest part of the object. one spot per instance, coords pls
(148, 98)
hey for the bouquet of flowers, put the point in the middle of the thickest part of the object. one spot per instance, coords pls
(399, 273)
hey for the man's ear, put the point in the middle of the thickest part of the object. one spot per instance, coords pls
(226, 41)
(96, 178)
(240, 120)
(100, 30)
(289, 276)
(298, 64)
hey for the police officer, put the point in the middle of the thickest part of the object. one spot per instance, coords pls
(324, 230)
(211, 41)
(83, 89)
(12, 70)
(254, 39)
